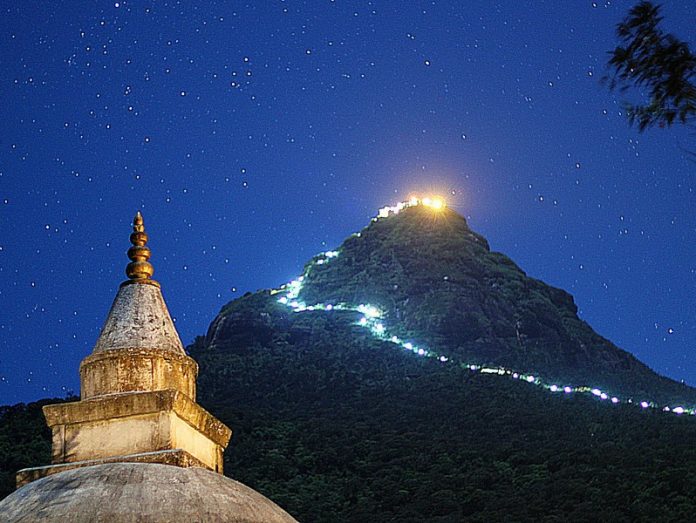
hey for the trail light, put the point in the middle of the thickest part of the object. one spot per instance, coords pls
(370, 317)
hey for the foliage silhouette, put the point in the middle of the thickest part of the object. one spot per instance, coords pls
(659, 62)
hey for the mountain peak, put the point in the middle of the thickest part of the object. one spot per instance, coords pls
(438, 283)
(419, 278)
(432, 203)
(414, 220)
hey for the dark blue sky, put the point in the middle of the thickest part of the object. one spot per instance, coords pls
(253, 135)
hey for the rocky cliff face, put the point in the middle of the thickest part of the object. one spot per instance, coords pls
(437, 282)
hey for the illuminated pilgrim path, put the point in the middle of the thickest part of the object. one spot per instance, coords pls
(371, 319)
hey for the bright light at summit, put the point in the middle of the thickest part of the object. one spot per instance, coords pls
(375, 321)
(433, 202)
(437, 204)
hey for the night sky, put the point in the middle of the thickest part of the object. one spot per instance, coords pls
(254, 135)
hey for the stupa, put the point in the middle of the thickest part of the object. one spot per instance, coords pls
(137, 446)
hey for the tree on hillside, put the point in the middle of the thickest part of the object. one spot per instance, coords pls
(656, 62)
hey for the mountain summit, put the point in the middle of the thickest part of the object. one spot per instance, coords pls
(434, 282)
(414, 375)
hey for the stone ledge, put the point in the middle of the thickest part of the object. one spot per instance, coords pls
(137, 403)
(174, 457)
(139, 351)
(136, 369)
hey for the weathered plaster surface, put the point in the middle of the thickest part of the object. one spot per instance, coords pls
(175, 457)
(139, 492)
(130, 423)
(132, 370)
(139, 318)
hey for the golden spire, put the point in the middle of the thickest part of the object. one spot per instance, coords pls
(139, 270)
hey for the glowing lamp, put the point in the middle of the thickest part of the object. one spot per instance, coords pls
(369, 310)
(614, 400)
(678, 410)
(567, 390)
(644, 404)
(437, 204)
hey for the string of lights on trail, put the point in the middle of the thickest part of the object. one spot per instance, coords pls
(371, 318)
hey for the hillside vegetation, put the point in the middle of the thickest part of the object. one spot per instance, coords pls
(337, 424)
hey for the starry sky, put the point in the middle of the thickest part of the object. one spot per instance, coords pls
(254, 135)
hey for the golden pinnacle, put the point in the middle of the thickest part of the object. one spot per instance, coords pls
(139, 269)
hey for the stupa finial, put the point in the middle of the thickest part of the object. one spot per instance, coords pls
(139, 270)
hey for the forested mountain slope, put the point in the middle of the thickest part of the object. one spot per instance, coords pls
(414, 375)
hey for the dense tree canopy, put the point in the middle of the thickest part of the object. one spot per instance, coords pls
(336, 428)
